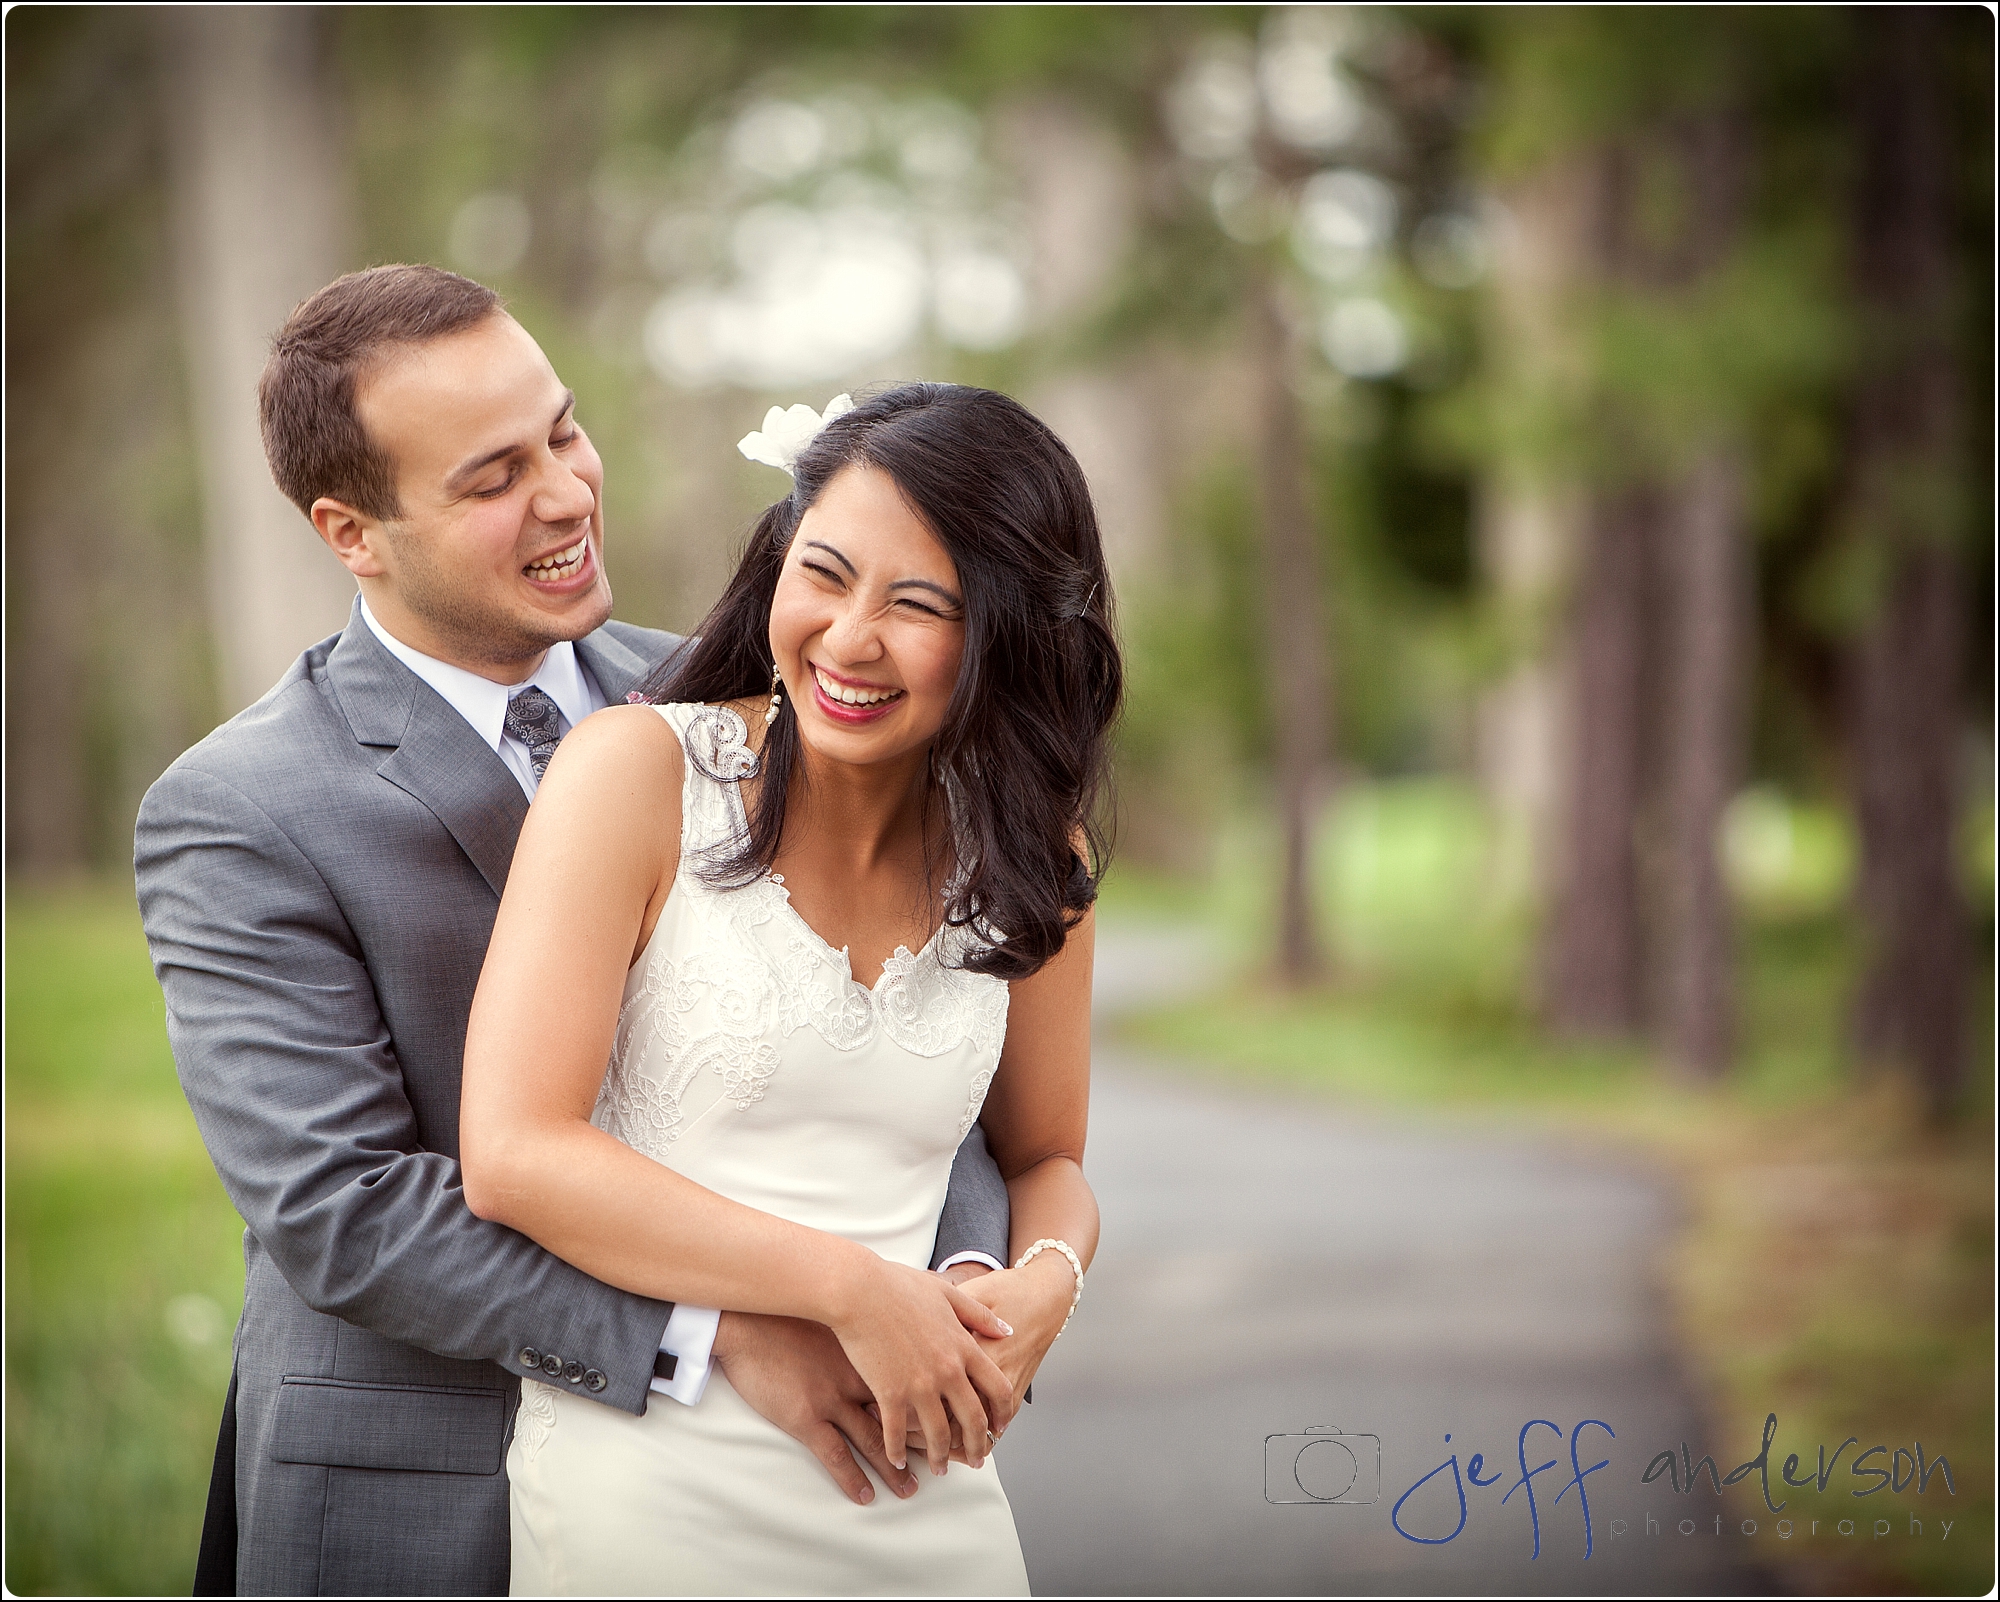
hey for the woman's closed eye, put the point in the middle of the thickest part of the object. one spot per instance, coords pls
(933, 600)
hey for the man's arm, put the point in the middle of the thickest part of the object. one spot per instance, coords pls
(294, 1081)
(973, 1226)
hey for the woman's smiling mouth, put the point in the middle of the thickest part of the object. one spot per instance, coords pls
(851, 703)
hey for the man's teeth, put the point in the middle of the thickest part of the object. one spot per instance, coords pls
(849, 695)
(564, 564)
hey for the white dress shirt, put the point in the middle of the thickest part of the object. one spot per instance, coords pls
(690, 1331)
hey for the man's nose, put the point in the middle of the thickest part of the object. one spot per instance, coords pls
(564, 496)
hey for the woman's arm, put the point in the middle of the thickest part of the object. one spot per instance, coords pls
(596, 859)
(1035, 1119)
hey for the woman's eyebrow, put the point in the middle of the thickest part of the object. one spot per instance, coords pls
(853, 571)
(926, 584)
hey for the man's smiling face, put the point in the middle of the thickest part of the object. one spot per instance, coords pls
(498, 549)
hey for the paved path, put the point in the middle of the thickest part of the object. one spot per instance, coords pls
(1270, 1264)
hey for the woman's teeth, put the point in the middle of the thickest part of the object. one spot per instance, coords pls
(849, 694)
(564, 564)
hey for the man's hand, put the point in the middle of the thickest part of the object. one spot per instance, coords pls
(794, 1373)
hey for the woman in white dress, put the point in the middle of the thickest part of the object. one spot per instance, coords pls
(889, 740)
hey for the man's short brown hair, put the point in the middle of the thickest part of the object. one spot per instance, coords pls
(305, 400)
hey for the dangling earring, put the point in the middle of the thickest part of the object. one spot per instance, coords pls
(777, 699)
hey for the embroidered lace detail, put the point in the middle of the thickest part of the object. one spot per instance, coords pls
(717, 743)
(739, 992)
(745, 1063)
(929, 1009)
(815, 984)
(643, 1111)
(974, 1100)
(534, 1418)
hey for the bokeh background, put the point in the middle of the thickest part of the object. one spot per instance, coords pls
(1546, 459)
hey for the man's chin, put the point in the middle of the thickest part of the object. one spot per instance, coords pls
(505, 641)
(586, 615)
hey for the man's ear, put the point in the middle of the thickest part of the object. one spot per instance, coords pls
(353, 536)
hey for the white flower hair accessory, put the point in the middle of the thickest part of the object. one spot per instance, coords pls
(789, 430)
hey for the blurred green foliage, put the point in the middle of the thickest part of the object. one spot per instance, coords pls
(573, 108)
(124, 1263)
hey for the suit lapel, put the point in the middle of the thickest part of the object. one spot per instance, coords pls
(616, 666)
(434, 754)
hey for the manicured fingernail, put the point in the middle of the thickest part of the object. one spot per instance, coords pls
(1005, 1327)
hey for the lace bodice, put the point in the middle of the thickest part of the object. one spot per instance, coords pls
(748, 1056)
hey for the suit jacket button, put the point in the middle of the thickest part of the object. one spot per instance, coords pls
(594, 1380)
(552, 1365)
(573, 1372)
(530, 1357)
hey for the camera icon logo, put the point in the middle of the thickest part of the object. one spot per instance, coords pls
(1322, 1465)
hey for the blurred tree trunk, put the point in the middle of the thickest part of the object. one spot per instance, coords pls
(1904, 667)
(1531, 517)
(1591, 975)
(260, 222)
(1591, 940)
(1659, 653)
(1704, 646)
(107, 643)
(1296, 620)
(1705, 562)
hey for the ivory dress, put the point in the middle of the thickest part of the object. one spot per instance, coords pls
(749, 1059)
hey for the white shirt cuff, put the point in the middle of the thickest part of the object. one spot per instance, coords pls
(967, 1257)
(690, 1337)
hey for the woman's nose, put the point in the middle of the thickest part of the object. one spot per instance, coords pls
(852, 636)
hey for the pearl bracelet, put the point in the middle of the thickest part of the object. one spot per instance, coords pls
(1035, 1251)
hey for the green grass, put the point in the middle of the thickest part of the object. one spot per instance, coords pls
(1835, 1262)
(124, 1264)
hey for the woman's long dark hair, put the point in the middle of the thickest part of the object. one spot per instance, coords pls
(1020, 762)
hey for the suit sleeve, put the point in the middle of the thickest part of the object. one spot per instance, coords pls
(285, 1058)
(976, 1216)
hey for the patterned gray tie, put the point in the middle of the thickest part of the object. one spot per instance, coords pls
(534, 720)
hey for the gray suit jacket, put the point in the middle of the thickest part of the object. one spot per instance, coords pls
(319, 879)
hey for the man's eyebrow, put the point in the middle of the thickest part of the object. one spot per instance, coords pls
(852, 570)
(925, 584)
(465, 470)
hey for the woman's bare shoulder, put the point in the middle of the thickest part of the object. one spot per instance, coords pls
(622, 755)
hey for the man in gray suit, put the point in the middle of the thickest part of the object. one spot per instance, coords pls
(319, 879)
